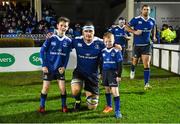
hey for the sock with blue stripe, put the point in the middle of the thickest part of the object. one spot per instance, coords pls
(108, 99)
(43, 100)
(117, 103)
(132, 67)
(63, 100)
(146, 75)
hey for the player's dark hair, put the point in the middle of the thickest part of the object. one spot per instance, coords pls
(165, 26)
(88, 23)
(63, 19)
(121, 18)
(145, 5)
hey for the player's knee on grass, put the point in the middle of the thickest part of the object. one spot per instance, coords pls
(92, 102)
(75, 90)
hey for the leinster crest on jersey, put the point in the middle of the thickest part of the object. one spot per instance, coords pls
(96, 46)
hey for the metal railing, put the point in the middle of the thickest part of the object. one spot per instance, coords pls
(38, 38)
(35, 37)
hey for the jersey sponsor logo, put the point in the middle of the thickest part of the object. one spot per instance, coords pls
(118, 35)
(6, 60)
(79, 44)
(109, 62)
(57, 53)
(139, 22)
(146, 30)
(87, 54)
(87, 57)
(35, 59)
(53, 43)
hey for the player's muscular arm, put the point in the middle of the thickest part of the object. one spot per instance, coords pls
(49, 35)
(154, 34)
(129, 29)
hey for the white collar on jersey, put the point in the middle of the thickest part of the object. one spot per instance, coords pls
(88, 44)
(57, 35)
(109, 50)
(59, 38)
(144, 18)
(120, 26)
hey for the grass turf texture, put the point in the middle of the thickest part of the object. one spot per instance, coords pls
(20, 92)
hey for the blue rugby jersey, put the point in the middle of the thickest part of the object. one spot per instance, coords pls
(139, 23)
(88, 55)
(119, 35)
(110, 58)
(55, 52)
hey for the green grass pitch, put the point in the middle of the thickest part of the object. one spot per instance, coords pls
(19, 100)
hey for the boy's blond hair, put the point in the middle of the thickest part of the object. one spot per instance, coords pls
(108, 35)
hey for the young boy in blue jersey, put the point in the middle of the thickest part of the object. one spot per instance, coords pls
(54, 55)
(111, 73)
(143, 27)
(121, 36)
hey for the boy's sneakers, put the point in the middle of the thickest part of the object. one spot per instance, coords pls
(118, 114)
(64, 109)
(108, 109)
(147, 87)
(132, 74)
(77, 106)
(41, 110)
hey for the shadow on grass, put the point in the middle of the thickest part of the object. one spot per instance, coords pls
(39, 83)
(153, 76)
(32, 99)
(30, 84)
(51, 116)
(133, 92)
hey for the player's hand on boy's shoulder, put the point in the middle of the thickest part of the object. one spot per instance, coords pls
(61, 70)
(48, 35)
(118, 79)
(45, 69)
(117, 46)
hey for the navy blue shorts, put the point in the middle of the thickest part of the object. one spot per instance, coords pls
(90, 83)
(53, 76)
(142, 50)
(109, 78)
